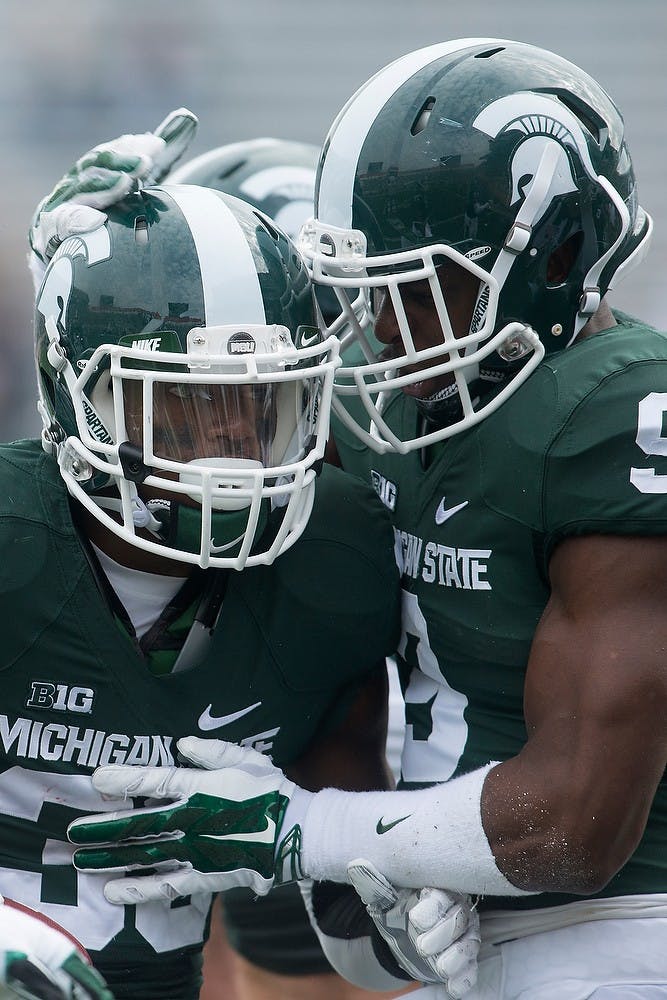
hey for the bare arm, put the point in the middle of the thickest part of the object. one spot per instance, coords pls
(569, 810)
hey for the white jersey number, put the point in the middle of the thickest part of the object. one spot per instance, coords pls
(652, 441)
(82, 909)
(436, 730)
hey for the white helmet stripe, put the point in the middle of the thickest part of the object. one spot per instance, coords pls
(352, 127)
(288, 181)
(232, 292)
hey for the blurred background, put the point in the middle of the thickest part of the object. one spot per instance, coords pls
(77, 72)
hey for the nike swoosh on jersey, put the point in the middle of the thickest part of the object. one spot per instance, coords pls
(208, 721)
(384, 827)
(443, 513)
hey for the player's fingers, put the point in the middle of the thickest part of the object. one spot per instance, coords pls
(65, 220)
(121, 781)
(181, 881)
(460, 983)
(100, 188)
(212, 755)
(457, 961)
(443, 933)
(130, 154)
(149, 888)
(72, 219)
(163, 852)
(461, 986)
(371, 886)
(163, 822)
(178, 130)
(432, 906)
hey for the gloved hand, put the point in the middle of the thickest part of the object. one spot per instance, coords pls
(219, 827)
(105, 175)
(39, 960)
(432, 934)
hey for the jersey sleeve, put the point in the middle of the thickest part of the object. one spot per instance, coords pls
(605, 471)
(581, 448)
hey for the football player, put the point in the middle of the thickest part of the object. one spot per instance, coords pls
(480, 195)
(266, 945)
(275, 949)
(170, 565)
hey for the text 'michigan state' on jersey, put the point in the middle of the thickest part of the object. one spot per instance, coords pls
(293, 643)
(579, 449)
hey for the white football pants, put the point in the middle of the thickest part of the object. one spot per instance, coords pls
(617, 958)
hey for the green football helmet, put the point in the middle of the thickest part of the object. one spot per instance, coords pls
(277, 176)
(490, 154)
(184, 386)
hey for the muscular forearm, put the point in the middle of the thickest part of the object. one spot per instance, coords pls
(496, 831)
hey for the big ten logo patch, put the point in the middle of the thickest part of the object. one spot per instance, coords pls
(385, 489)
(60, 697)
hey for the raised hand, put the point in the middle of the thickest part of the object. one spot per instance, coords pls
(103, 176)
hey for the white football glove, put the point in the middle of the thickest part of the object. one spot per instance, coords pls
(105, 175)
(219, 827)
(432, 934)
(39, 960)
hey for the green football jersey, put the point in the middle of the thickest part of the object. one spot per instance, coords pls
(292, 645)
(580, 448)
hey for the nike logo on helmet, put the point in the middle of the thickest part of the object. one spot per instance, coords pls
(384, 827)
(443, 513)
(208, 721)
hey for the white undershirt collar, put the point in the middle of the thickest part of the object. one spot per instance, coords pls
(143, 595)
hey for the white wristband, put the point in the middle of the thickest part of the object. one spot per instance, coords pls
(430, 836)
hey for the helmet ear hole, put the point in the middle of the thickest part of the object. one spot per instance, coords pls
(561, 260)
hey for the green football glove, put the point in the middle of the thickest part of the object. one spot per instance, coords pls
(39, 960)
(219, 828)
(105, 175)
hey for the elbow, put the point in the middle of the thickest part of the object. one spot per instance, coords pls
(583, 879)
(585, 856)
(572, 839)
(571, 856)
(604, 843)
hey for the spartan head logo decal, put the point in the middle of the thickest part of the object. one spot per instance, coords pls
(56, 290)
(544, 122)
(525, 164)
